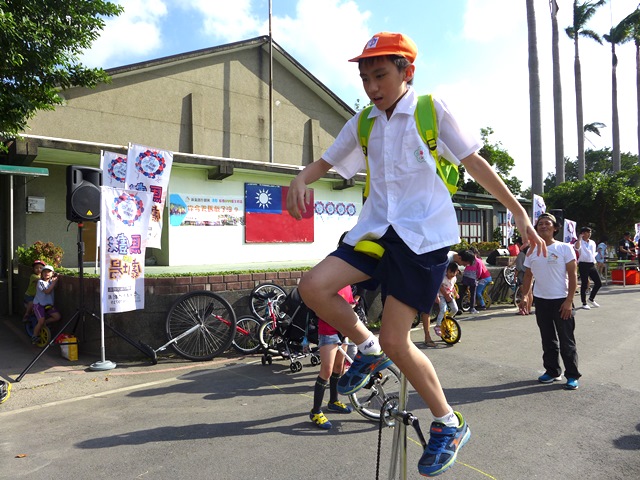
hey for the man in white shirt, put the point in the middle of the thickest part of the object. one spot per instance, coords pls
(553, 294)
(586, 249)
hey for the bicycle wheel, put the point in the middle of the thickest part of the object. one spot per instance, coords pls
(450, 330)
(268, 341)
(517, 296)
(369, 399)
(259, 297)
(246, 338)
(215, 319)
(465, 301)
(509, 274)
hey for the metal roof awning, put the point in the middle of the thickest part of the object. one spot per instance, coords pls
(472, 206)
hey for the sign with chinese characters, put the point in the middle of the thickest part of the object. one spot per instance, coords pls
(148, 170)
(125, 222)
(205, 210)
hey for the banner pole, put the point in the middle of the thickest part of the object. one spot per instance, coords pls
(103, 364)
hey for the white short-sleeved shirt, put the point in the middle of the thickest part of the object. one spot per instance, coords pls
(550, 272)
(587, 251)
(405, 190)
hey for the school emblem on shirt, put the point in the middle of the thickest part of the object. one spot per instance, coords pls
(420, 155)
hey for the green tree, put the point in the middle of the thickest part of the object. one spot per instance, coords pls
(499, 158)
(595, 161)
(582, 13)
(618, 35)
(40, 44)
(608, 203)
(535, 124)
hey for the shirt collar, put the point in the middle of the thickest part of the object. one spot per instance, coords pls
(406, 105)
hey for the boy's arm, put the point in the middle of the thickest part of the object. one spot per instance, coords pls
(484, 174)
(298, 196)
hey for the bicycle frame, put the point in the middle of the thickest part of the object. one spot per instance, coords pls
(193, 329)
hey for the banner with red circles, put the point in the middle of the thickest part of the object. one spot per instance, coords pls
(125, 217)
(148, 170)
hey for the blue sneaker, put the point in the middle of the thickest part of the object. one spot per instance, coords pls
(320, 420)
(443, 446)
(360, 372)
(546, 378)
(338, 407)
(572, 384)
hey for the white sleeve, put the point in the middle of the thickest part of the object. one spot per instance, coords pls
(345, 153)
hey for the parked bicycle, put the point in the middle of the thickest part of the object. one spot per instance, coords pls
(200, 326)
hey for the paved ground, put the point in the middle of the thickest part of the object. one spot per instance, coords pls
(234, 418)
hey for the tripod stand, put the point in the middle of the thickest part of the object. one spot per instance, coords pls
(80, 314)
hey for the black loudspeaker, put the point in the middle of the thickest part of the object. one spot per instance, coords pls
(83, 193)
(559, 214)
(500, 252)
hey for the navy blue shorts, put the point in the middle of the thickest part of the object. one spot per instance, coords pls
(411, 278)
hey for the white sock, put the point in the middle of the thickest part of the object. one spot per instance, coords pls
(370, 346)
(450, 419)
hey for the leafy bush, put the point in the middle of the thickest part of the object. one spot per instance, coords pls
(48, 252)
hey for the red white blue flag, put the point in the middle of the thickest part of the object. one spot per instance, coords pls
(267, 219)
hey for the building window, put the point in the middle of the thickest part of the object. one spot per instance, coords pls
(470, 224)
(504, 228)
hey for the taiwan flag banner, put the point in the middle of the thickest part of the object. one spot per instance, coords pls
(148, 170)
(124, 225)
(267, 219)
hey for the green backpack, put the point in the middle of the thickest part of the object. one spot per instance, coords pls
(427, 125)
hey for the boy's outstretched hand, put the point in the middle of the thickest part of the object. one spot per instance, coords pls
(530, 236)
(298, 198)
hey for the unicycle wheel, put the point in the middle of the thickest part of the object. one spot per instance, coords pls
(450, 330)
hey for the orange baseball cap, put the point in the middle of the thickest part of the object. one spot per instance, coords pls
(386, 43)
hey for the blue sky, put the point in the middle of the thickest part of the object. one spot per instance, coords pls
(472, 53)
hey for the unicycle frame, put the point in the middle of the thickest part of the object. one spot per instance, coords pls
(399, 445)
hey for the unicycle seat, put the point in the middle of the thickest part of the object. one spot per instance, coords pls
(372, 248)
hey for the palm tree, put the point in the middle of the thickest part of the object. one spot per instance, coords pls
(618, 35)
(582, 13)
(557, 93)
(593, 127)
(633, 21)
(534, 103)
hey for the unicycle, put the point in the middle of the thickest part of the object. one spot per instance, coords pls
(450, 330)
(45, 333)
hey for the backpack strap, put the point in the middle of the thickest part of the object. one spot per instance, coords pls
(427, 124)
(365, 125)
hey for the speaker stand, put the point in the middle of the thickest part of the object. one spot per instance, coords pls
(80, 314)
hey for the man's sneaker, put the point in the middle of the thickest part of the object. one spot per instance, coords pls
(437, 330)
(320, 420)
(593, 304)
(361, 369)
(586, 307)
(443, 447)
(473, 310)
(338, 407)
(572, 384)
(546, 378)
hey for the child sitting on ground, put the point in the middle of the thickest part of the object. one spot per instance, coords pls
(43, 301)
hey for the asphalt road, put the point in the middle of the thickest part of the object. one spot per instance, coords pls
(234, 418)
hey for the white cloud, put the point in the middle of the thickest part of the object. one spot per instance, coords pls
(230, 21)
(487, 20)
(137, 31)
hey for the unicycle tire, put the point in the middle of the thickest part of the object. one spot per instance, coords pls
(369, 399)
(450, 330)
